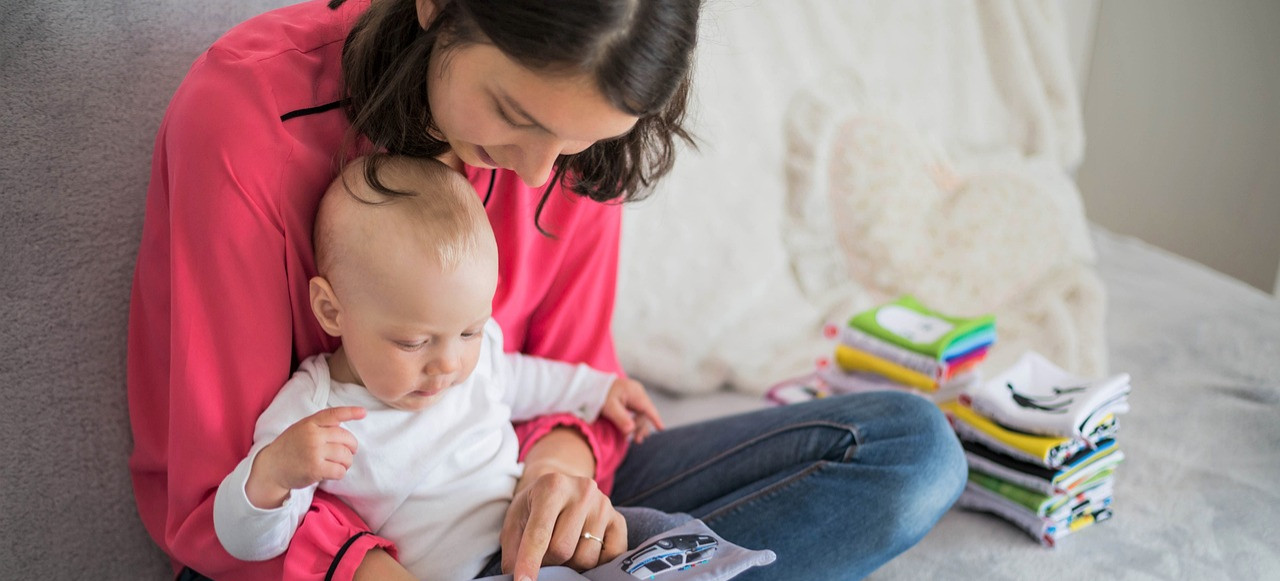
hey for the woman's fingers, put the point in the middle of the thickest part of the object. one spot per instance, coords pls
(587, 550)
(532, 549)
(591, 541)
(567, 530)
(604, 537)
(556, 512)
(513, 531)
(545, 498)
(615, 538)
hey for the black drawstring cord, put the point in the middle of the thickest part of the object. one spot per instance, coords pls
(493, 176)
(313, 110)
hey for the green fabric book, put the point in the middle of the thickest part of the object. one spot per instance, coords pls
(909, 324)
(1037, 502)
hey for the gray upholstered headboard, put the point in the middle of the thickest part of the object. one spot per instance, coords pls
(83, 86)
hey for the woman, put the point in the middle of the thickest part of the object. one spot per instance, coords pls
(539, 104)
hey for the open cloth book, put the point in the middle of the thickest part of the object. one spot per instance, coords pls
(690, 552)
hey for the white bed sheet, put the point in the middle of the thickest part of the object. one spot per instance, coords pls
(1196, 497)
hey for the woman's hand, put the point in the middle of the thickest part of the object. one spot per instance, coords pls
(556, 502)
(546, 522)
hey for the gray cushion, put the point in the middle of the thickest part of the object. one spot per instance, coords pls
(83, 86)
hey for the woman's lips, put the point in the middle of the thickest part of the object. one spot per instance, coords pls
(484, 156)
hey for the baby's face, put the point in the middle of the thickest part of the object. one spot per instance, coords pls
(410, 336)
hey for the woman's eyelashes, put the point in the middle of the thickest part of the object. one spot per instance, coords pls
(506, 117)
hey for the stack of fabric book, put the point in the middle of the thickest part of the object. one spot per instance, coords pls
(902, 345)
(1041, 446)
(911, 344)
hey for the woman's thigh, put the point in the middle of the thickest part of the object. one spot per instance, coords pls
(836, 486)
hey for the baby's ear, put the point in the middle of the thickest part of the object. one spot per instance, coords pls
(325, 306)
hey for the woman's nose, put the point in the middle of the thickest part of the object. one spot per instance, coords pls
(538, 157)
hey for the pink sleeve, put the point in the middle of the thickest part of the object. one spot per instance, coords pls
(210, 333)
(574, 323)
(327, 545)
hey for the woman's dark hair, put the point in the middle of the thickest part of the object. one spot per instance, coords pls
(639, 51)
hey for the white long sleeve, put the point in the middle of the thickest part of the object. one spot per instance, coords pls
(250, 533)
(535, 386)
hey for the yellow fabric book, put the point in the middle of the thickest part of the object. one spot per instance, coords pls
(1042, 448)
(850, 359)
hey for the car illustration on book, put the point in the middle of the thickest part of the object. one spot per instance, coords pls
(675, 553)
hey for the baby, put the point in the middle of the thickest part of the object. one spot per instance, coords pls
(409, 422)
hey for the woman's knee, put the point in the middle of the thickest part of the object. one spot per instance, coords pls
(921, 460)
(929, 469)
(942, 469)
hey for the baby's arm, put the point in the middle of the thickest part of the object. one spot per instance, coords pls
(539, 386)
(259, 505)
(534, 386)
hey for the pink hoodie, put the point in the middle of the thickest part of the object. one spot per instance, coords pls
(220, 311)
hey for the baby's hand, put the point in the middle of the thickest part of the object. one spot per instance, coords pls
(313, 449)
(629, 408)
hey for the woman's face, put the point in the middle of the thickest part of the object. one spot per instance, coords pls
(497, 114)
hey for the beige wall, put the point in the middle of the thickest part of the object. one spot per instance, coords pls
(1182, 117)
(1081, 17)
(1277, 289)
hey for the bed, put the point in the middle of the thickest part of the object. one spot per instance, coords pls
(1195, 497)
(977, 85)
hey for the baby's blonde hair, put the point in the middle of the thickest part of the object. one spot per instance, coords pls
(437, 206)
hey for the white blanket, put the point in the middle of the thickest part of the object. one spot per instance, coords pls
(1195, 497)
(730, 270)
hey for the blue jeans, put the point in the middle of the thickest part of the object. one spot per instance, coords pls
(836, 487)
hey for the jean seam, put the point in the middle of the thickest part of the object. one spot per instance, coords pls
(764, 492)
(848, 455)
